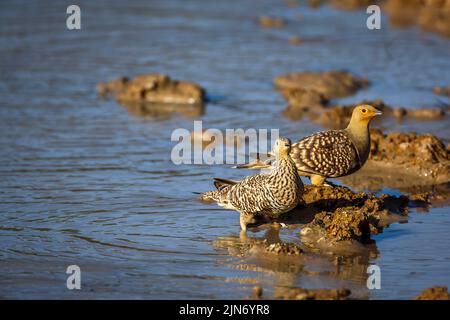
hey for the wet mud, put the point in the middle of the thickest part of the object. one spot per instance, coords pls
(336, 218)
(434, 293)
(422, 155)
(312, 294)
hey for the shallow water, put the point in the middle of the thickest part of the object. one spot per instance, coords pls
(85, 182)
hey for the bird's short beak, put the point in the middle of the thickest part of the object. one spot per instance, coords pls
(378, 112)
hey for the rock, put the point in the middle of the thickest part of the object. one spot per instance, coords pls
(315, 3)
(163, 110)
(312, 105)
(348, 224)
(434, 293)
(270, 22)
(284, 248)
(112, 87)
(303, 103)
(292, 3)
(155, 95)
(443, 91)
(312, 294)
(332, 84)
(152, 88)
(295, 40)
(340, 214)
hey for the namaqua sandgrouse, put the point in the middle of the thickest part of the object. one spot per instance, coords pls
(264, 194)
(334, 153)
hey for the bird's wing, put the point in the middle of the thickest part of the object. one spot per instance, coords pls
(250, 195)
(329, 153)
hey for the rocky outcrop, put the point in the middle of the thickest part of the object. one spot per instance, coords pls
(309, 89)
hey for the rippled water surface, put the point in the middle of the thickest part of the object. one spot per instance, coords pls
(85, 182)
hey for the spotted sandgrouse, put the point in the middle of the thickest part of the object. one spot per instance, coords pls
(333, 153)
(264, 194)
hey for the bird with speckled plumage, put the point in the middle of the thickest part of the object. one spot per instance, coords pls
(265, 194)
(333, 153)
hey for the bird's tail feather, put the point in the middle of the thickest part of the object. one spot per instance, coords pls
(220, 183)
(210, 196)
(257, 164)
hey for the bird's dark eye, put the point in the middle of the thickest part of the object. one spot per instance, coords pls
(364, 110)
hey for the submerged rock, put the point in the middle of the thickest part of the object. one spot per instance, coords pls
(270, 22)
(434, 293)
(295, 40)
(283, 248)
(262, 246)
(312, 294)
(150, 92)
(443, 91)
(153, 88)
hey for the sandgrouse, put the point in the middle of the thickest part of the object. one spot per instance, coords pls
(264, 194)
(333, 153)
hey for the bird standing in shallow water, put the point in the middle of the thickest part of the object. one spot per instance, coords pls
(334, 153)
(264, 194)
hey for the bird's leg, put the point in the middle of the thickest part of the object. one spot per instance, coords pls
(243, 224)
(245, 219)
(317, 180)
(243, 236)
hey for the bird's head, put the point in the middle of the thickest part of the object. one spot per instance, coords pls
(364, 113)
(282, 147)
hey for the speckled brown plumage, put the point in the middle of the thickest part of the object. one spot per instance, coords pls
(330, 153)
(264, 194)
(333, 153)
